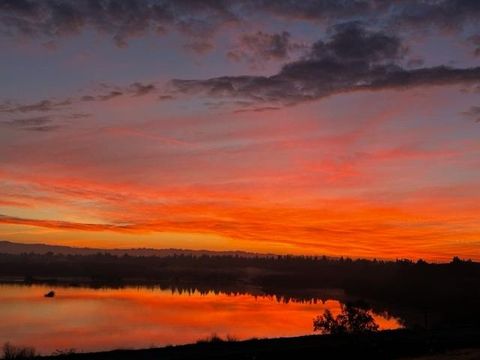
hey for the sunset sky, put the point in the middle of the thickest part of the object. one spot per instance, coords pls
(311, 127)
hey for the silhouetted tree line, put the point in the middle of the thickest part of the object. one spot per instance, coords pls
(424, 293)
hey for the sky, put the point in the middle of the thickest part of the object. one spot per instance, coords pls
(316, 127)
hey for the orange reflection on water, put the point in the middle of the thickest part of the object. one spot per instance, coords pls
(89, 319)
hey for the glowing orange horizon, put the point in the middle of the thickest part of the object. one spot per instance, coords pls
(285, 182)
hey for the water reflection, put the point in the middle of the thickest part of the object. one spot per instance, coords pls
(95, 319)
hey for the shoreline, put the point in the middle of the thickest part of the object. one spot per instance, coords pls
(388, 344)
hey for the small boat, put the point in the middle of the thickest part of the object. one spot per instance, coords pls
(50, 294)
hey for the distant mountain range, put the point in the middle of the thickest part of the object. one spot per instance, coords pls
(8, 247)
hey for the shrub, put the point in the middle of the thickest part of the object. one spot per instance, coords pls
(354, 318)
(214, 339)
(11, 352)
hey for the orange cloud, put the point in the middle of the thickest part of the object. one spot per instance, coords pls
(357, 176)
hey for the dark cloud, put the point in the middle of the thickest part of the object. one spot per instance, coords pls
(444, 14)
(415, 62)
(20, 6)
(261, 46)
(140, 89)
(166, 97)
(88, 98)
(108, 92)
(351, 60)
(42, 106)
(473, 113)
(76, 116)
(313, 9)
(39, 123)
(112, 94)
(351, 42)
(123, 20)
(42, 123)
(475, 40)
(33, 121)
(44, 128)
(258, 109)
(199, 46)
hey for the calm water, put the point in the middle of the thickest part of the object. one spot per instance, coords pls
(91, 319)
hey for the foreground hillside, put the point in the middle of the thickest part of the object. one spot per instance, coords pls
(397, 344)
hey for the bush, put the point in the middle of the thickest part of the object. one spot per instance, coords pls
(11, 352)
(214, 339)
(354, 318)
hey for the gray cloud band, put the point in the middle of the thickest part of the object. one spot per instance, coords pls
(352, 59)
(202, 18)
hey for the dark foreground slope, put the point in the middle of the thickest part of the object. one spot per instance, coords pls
(383, 345)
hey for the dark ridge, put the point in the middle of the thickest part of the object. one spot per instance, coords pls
(382, 345)
(8, 247)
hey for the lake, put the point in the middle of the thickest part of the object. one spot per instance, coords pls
(89, 319)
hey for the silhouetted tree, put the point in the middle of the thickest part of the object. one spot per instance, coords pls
(11, 352)
(354, 318)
